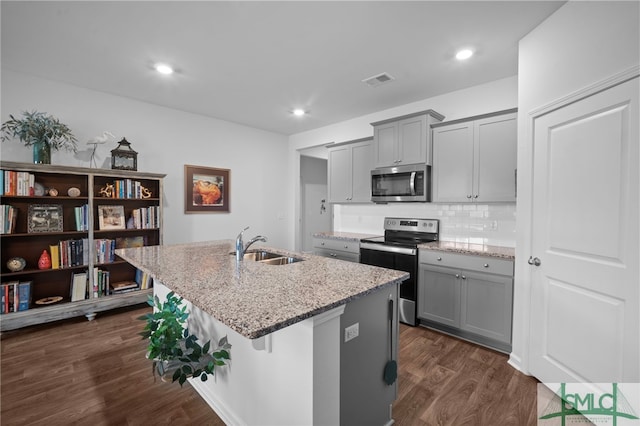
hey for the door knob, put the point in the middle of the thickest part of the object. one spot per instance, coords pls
(534, 261)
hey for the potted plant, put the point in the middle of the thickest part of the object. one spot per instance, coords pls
(175, 352)
(42, 131)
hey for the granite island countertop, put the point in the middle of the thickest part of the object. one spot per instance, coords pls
(507, 253)
(252, 298)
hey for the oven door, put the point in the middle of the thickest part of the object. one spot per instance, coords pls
(400, 259)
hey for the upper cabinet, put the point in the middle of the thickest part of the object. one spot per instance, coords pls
(474, 159)
(349, 176)
(404, 140)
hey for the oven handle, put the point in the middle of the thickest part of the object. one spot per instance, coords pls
(388, 249)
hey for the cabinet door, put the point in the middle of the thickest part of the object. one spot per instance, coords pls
(439, 295)
(412, 141)
(453, 163)
(486, 305)
(339, 176)
(361, 165)
(495, 159)
(385, 137)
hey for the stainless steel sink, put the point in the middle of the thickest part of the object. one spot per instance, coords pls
(260, 255)
(281, 261)
(269, 258)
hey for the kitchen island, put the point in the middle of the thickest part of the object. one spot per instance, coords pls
(286, 324)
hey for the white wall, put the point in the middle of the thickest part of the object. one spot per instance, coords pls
(579, 45)
(166, 140)
(488, 224)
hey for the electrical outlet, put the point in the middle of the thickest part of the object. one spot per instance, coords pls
(351, 332)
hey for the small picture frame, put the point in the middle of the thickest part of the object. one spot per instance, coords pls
(206, 190)
(45, 218)
(111, 217)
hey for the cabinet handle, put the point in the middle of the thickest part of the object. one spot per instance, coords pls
(438, 258)
(469, 196)
(457, 275)
(486, 265)
(464, 278)
(346, 246)
(333, 255)
(475, 196)
(322, 243)
(534, 261)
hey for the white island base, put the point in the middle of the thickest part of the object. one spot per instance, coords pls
(288, 377)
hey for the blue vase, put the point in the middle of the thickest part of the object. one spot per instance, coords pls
(41, 153)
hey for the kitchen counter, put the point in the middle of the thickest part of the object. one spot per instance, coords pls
(252, 298)
(343, 236)
(507, 253)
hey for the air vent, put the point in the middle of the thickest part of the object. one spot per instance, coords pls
(379, 79)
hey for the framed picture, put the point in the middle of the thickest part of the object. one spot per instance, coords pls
(111, 217)
(44, 218)
(206, 190)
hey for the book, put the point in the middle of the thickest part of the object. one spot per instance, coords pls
(54, 250)
(24, 295)
(123, 286)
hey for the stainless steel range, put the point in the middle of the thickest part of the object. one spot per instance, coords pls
(398, 249)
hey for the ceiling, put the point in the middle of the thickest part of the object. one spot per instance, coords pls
(253, 62)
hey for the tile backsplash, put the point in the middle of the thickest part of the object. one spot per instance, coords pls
(491, 224)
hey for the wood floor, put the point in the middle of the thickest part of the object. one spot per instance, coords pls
(78, 372)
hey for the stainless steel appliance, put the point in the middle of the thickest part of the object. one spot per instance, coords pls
(398, 249)
(401, 183)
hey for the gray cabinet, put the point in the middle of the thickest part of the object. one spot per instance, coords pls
(349, 174)
(474, 159)
(467, 295)
(337, 248)
(404, 140)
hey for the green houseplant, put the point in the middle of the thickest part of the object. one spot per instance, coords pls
(40, 130)
(175, 352)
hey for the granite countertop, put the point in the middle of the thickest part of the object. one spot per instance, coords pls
(252, 298)
(508, 253)
(343, 236)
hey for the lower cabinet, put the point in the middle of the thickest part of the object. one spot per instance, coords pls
(337, 248)
(466, 295)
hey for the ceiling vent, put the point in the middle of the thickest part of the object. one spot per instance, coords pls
(379, 79)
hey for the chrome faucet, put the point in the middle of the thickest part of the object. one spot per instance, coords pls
(241, 249)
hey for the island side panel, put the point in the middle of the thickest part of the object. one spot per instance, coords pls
(274, 379)
(365, 397)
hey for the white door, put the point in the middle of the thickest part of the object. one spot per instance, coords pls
(585, 324)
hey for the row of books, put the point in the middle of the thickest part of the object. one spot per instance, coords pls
(146, 217)
(15, 296)
(81, 214)
(102, 286)
(127, 188)
(8, 215)
(67, 253)
(16, 183)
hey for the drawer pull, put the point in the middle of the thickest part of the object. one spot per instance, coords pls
(346, 247)
(464, 278)
(486, 265)
(457, 275)
(322, 243)
(438, 258)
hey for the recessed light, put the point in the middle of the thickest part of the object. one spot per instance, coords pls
(163, 69)
(464, 54)
(299, 112)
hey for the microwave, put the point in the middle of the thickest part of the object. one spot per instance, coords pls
(411, 183)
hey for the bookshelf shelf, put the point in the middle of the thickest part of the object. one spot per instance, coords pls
(29, 245)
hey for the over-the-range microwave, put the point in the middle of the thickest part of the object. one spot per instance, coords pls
(401, 184)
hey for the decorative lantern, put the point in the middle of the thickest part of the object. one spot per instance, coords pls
(124, 157)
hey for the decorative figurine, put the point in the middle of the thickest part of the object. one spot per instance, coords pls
(144, 192)
(73, 192)
(123, 157)
(16, 264)
(107, 191)
(52, 192)
(45, 260)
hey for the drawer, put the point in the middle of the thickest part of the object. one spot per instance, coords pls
(337, 254)
(477, 263)
(334, 244)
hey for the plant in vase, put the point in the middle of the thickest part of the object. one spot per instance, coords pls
(40, 130)
(175, 352)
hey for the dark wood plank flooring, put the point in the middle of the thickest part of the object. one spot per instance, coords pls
(80, 372)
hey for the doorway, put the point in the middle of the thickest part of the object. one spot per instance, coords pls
(315, 211)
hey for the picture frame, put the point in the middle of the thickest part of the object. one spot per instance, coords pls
(206, 189)
(111, 217)
(45, 218)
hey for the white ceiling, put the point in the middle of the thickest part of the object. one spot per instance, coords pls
(253, 62)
